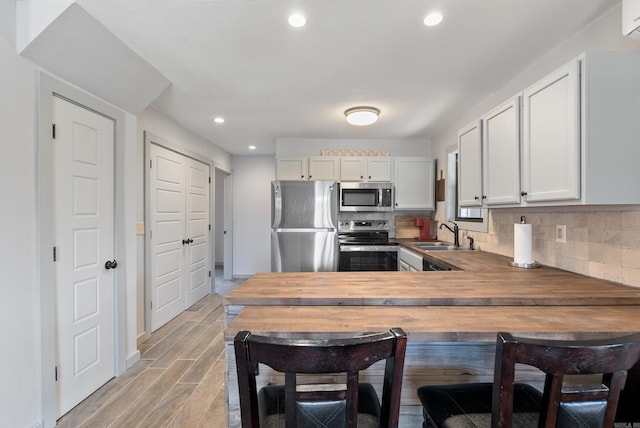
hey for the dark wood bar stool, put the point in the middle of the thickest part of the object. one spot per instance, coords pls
(327, 404)
(505, 403)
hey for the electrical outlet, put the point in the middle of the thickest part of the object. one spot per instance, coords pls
(139, 228)
(561, 233)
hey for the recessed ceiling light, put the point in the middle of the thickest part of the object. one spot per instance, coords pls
(362, 116)
(296, 20)
(433, 19)
(219, 120)
(252, 147)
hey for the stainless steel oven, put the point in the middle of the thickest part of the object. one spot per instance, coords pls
(364, 246)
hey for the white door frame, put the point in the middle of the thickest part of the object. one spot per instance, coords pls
(46, 87)
(150, 138)
(227, 270)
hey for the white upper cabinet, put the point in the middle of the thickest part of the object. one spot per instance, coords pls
(308, 168)
(470, 165)
(365, 169)
(577, 142)
(324, 168)
(501, 154)
(551, 137)
(414, 180)
(291, 169)
(581, 128)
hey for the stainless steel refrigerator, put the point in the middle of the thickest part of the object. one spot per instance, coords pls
(304, 226)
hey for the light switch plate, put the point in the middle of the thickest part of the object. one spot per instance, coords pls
(139, 228)
(561, 233)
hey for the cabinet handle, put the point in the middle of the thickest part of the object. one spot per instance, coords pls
(523, 193)
(484, 196)
(476, 198)
(369, 177)
(309, 177)
(110, 264)
(362, 176)
(302, 176)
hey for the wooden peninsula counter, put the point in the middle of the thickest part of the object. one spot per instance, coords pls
(451, 317)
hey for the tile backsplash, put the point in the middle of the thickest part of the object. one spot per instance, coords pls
(602, 244)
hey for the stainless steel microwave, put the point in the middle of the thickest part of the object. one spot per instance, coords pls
(359, 197)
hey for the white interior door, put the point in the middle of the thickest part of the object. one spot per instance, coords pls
(168, 239)
(197, 224)
(84, 234)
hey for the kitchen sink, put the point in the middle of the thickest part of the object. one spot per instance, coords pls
(437, 246)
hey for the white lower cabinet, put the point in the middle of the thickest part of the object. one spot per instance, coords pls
(409, 260)
(414, 180)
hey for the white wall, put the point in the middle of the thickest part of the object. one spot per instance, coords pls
(19, 361)
(252, 176)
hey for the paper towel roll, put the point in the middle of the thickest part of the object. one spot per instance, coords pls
(522, 243)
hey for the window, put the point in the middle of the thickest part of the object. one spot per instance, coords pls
(465, 214)
(471, 219)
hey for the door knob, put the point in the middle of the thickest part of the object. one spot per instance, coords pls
(110, 264)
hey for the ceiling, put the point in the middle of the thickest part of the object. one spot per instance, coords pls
(239, 59)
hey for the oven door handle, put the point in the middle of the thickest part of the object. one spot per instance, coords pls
(370, 248)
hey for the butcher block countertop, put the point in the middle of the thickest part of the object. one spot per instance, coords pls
(442, 323)
(483, 279)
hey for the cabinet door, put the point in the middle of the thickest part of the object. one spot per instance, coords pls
(291, 168)
(551, 139)
(324, 168)
(379, 169)
(501, 154)
(414, 183)
(352, 169)
(470, 165)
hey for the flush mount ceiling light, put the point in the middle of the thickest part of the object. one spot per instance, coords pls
(361, 116)
(218, 119)
(433, 19)
(297, 20)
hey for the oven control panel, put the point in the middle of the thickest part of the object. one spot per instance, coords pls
(362, 225)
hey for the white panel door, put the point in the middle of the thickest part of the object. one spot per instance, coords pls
(197, 224)
(84, 228)
(168, 239)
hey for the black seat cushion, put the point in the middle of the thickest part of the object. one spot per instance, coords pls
(473, 402)
(319, 414)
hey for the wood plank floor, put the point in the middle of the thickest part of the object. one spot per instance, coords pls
(178, 382)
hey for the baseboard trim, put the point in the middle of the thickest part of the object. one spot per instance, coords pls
(133, 359)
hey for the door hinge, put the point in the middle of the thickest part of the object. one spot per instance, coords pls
(209, 227)
(55, 370)
(150, 163)
(209, 274)
(54, 254)
(209, 180)
(151, 304)
(53, 130)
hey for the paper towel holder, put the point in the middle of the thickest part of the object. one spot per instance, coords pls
(531, 265)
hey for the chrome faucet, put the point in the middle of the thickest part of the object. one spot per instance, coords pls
(455, 231)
